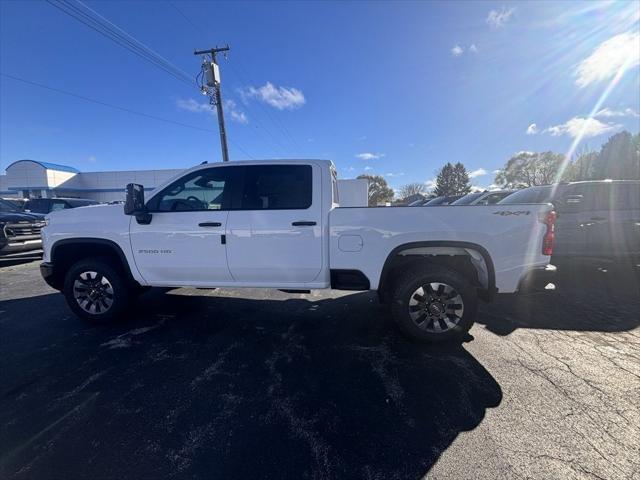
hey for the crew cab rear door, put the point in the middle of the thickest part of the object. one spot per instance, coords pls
(275, 234)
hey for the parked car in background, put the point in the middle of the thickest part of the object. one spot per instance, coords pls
(595, 218)
(440, 201)
(483, 198)
(48, 205)
(19, 231)
(19, 203)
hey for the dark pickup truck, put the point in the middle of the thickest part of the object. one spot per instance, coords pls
(19, 231)
(597, 219)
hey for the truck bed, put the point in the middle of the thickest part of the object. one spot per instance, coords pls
(510, 235)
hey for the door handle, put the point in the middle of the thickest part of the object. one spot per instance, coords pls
(598, 219)
(210, 224)
(303, 224)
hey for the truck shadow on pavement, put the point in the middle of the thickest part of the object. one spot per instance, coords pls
(600, 298)
(209, 385)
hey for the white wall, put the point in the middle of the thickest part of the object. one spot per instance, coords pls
(353, 192)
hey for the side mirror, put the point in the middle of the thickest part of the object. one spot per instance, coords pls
(134, 204)
(134, 200)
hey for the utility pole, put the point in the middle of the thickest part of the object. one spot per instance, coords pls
(211, 87)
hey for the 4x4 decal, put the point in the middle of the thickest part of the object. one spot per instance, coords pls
(506, 213)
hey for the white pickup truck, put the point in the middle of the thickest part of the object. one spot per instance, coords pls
(278, 224)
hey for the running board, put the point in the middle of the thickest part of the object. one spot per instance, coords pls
(293, 291)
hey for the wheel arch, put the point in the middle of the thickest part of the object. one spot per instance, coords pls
(65, 252)
(424, 248)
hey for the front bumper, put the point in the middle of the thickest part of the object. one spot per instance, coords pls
(538, 279)
(47, 272)
(13, 246)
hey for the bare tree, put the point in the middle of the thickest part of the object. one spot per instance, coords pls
(412, 189)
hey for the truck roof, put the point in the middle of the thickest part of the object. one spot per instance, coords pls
(271, 161)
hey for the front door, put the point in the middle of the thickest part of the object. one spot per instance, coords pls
(184, 243)
(275, 235)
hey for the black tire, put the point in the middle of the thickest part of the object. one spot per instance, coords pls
(78, 281)
(442, 314)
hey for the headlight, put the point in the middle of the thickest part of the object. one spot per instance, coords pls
(46, 221)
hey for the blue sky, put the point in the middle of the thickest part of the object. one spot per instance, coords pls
(392, 88)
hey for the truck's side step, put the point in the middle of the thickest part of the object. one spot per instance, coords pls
(293, 291)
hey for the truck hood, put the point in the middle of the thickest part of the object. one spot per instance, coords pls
(86, 211)
(11, 217)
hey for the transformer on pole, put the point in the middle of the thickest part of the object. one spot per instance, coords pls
(211, 87)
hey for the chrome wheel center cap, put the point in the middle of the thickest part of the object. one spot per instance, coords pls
(435, 309)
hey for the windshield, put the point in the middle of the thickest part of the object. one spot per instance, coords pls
(8, 207)
(467, 199)
(528, 195)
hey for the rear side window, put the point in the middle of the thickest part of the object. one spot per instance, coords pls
(612, 196)
(59, 205)
(277, 187)
(626, 196)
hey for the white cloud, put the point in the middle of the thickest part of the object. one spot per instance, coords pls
(532, 129)
(369, 156)
(607, 113)
(399, 174)
(192, 105)
(476, 188)
(231, 109)
(617, 54)
(525, 152)
(92, 159)
(457, 51)
(478, 173)
(282, 98)
(473, 48)
(236, 115)
(430, 183)
(367, 168)
(493, 187)
(498, 19)
(582, 127)
(362, 138)
(495, 172)
(349, 169)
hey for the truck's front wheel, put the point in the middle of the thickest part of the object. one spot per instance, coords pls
(434, 304)
(95, 291)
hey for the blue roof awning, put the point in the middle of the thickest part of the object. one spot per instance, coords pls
(49, 166)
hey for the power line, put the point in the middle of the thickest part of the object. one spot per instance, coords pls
(98, 23)
(116, 107)
(104, 104)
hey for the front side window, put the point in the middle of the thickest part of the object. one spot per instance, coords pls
(207, 189)
(38, 205)
(277, 187)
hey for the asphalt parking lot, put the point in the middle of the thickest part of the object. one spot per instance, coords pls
(261, 384)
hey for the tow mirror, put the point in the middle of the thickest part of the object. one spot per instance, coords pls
(134, 204)
(134, 200)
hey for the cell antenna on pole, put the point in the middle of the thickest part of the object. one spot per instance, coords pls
(211, 87)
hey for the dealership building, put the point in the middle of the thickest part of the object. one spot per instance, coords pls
(34, 179)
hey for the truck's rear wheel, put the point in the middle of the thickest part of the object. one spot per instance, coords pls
(434, 304)
(95, 291)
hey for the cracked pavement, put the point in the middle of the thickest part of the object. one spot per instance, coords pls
(262, 384)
